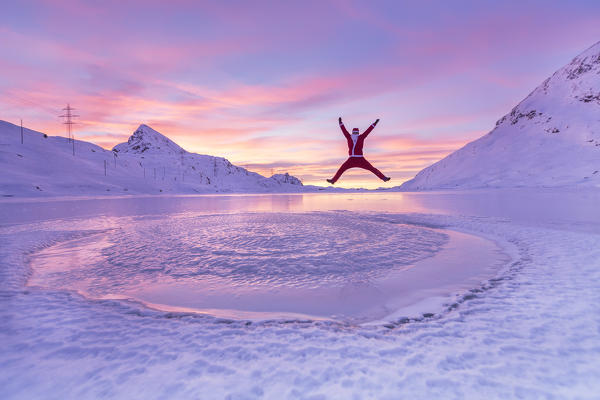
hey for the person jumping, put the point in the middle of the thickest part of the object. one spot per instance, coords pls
(355, 151)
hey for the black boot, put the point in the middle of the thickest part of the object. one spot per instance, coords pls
(330, 181)
(387, 178)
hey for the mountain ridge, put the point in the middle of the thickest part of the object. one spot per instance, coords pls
(549, 139)
(149, 162)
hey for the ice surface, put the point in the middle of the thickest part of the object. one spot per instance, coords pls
(532, 332)
(274, 250)
(256, 265)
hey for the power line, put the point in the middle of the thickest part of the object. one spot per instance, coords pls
(68, 116)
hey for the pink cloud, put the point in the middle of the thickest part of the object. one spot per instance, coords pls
(241, 82)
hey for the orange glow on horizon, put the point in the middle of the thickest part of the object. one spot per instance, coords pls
(399, 157)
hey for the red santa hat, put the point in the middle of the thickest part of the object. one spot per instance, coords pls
(354, 130)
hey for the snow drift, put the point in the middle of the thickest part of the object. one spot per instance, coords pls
(148, 163)
(551, 138)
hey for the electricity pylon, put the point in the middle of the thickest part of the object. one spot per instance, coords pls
(68, 116)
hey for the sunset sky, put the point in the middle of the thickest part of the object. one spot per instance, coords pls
(263, 83)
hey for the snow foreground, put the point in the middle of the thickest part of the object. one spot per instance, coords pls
(149, 163)
(550, 139)
(531, 332)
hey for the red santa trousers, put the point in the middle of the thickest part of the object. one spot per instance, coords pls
(357, 162)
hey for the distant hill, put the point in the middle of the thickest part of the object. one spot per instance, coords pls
(551, 139)
(149, 163)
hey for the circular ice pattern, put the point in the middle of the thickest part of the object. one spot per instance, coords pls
(279, 250)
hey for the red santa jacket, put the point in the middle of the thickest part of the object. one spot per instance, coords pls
(355, 142)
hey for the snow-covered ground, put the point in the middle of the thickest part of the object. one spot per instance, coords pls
(532, 331)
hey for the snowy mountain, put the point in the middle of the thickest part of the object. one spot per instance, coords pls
(147, 140)
(148, 163)
(552, 138)
(156, 151)
(286, 178)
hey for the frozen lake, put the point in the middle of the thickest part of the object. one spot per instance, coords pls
(261, 256)
(365, 295)
(334, 265)
(532, 205)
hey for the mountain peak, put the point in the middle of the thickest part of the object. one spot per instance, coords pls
(590, 51)
(147, 140)
(551, 138)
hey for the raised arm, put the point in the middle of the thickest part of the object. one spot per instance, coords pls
(366, 133)
(344, 131)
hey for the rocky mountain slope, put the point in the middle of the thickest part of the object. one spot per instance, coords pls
(550, 139)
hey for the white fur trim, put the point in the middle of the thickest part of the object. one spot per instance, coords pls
(354, 140)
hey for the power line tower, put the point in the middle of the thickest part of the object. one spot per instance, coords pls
(68, 116)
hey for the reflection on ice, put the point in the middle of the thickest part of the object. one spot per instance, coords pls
(333, 264)
(535, 205)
